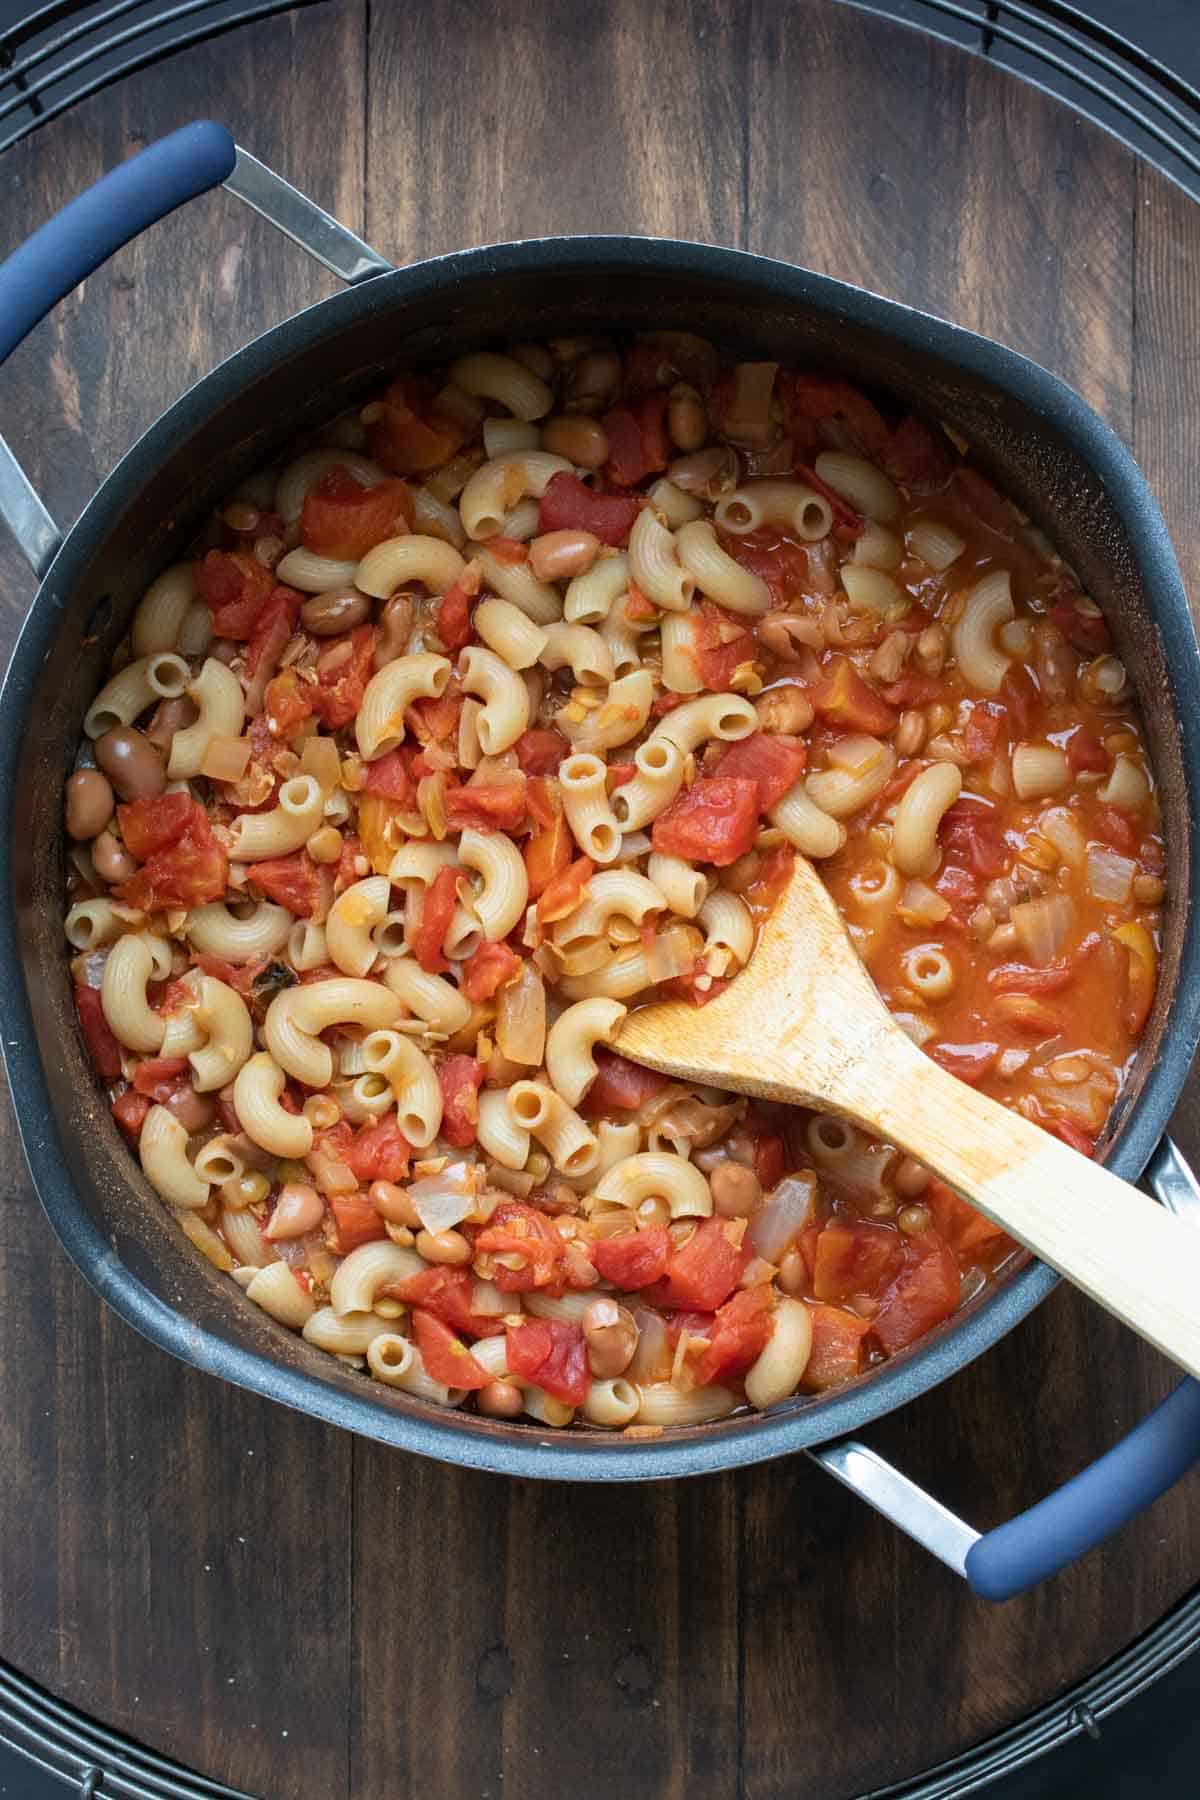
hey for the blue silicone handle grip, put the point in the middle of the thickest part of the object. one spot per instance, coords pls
(1085, 1511)
(78, 239)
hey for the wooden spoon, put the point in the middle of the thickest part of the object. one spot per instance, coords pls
(804, 1024)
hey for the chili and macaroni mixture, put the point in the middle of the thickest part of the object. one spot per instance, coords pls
(504, 705)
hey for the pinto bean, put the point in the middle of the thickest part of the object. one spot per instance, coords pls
(395, 628)
(341, 609)
(687, 417)
(593, 382)
(558, 555)
(111, 860)
(581, 440)
(90, 804)
(736, 1190)
(131, 763)
(611, 1334)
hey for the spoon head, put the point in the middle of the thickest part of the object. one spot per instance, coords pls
(800, 1014)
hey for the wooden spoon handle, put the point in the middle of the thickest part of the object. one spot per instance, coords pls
(1129, 1254)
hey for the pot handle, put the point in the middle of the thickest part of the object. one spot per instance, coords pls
(1042, 1541)
(68, 247)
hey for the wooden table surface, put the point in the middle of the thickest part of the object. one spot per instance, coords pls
(301, 1614)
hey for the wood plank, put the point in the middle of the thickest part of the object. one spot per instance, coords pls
(175, 1552)
(526, 123)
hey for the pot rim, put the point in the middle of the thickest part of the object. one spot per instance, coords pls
(528, 1450)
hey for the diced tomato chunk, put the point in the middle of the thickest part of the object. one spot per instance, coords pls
(447, 1294)
(158, 1077)
(454, 610)
(443, 1353)
(378, 1152)
(784, 566)
(540, 752)
(713, 821)
(490, 806)
(293, 881)
(705, 1271)
(531, 1249)
(770, 1158)
(924, 1293)
(620, 1085)
(355, 1222)
(567, 505)
(408, 436)
(773, 761)
(1018, 978)
(969, 1062)
(913, 689)
(155, 823)
(272, 629)
(286, 705)
(553, 1355)
(855, 1258)
(342, 681)
(548, 859)
(970, 1234)
(972, 834)
(389, 777)
(843, 699)
(490, 968)
(634, 1259)
(837, 1348)
(129, 1110)
(637, 440)
(182, 863)
(722, 645)
(235, 586)
(918, 457)
(460, 1078)
(738, 1335)
(563, 892)
(1075, 1138)
(437, 909)
(1085, 751)
(343, 519)
(1116, 828)
(102, 1045)
(827, 397)
(1085, 631)
(985, 730)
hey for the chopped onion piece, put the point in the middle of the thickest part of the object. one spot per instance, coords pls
(922, 905)
(1110, 876)
(787, 1212)
(1042, 926)
(444, 1200)
(487, 1298)
(916, 1026)
(226, 758)
(521, 1018)
(1059, 826)
(319, 758)
(855, 754)
(672, 953)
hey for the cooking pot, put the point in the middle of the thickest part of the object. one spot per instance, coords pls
(1036, 437)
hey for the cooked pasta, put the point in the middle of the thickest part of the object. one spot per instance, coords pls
(388, 811)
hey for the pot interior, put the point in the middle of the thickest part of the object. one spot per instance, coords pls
(1039, 443)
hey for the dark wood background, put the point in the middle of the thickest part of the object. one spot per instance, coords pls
(301, 1614)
